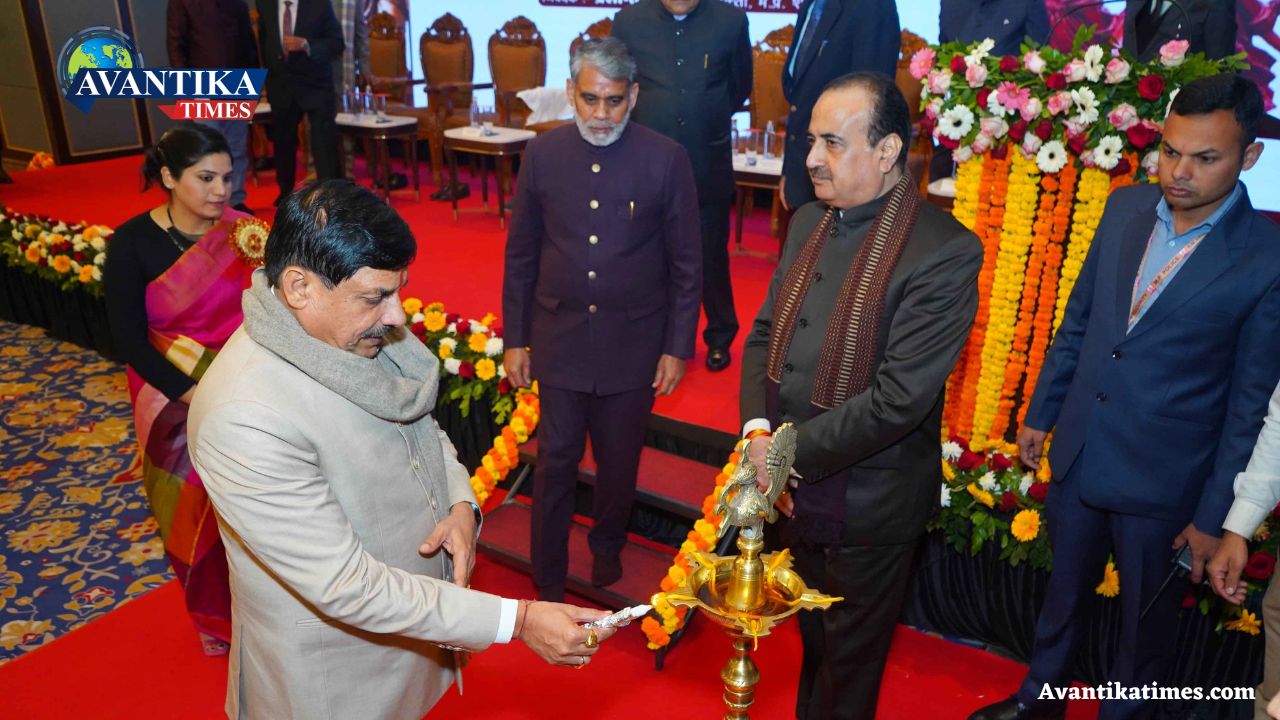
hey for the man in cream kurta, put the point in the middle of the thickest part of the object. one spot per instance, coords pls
(348, 521)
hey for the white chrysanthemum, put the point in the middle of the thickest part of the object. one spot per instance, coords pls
(16, 235)
(448, 343)
(1108, 152)
(100, 260)
(994, 107)
(417, 318)
(980, 52)
(452, 328)
(988, 481)
(60, 228)
(451, 365)
(1027, 481)
(951, 451)
(75, 267)
(956, 122)
(1052, 157)
(98, 244)
(479, 327)
(493, 347)
(946, 495)
(78, 244)
(1086, 103)
(97, 273)
(502, 371)
(1093, 63)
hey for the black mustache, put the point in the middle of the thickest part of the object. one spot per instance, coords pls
(378, 332)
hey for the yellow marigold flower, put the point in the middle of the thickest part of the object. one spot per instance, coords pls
(981, 495)
(31, 231)
(947, 471)
(488, 319)
(1025, 526)
(1110, 585)
(33, 253)
(433, 321)
(477, 341)
(1246, 623)
(485, 369)
(412, 305)
(436, 306)
(86, 273)
(61, 263)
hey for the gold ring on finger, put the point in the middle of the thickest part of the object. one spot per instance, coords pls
(582, 662)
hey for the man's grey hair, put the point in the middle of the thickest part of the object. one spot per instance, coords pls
(608, 55)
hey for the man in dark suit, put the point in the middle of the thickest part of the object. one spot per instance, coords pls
(832, 38)
(1155, 388)
(693, 62)
(216, 34)
(864, 386)
(1007, 22)
(300, 39)
(1209, 25)
(600, 294)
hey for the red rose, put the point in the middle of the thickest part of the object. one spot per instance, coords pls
(496, 331)
(1275, 512)
(970, 460)
(79, 257)
(1000, 151)
(452, 318)
(1261, 565)
(999, 463)
(926, 125)
(958, 64)
(983, 95)
(463, 327)
(504, 386)
(1008, 502)
(1038, 491)
(418, 329)
(1044, 130)
(1056, 81)
(964, 445)
(1018, 130)
(466, 370)
(1122, 168)
(1077, 143)
(1141, 135)
(1009, 64)
(948, 143)
(1150, 87)
(1189, 600)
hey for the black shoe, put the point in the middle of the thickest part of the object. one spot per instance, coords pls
(718, 359)
(448, 193)
(244, 209)
(399, 181)
(605, 570)
(1011, 709)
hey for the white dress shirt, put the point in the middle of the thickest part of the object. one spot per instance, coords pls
(1258, 487)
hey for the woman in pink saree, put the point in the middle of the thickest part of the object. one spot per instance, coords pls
(173, 280)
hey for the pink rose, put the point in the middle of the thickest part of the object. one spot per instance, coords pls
(1033, 62)
(1174, 52)
(976, 74)
(922, 62)
(1031, 144)
(1059, 102)
(1117, 71)
(1075, 71)
(1031, 109)
(962, 154)
(939, 82)
(1011, 96)
(982, 143)
(994, 126)
(1151, 162)
(1123, 117)
(934, 108)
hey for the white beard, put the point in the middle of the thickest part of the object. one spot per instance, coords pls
(587, 134)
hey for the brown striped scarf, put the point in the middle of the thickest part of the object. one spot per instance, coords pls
(848, 361)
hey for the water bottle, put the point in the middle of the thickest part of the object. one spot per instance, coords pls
(768, 141)
(358, 102)
(346, 98)
(734, 138)
(475, 112)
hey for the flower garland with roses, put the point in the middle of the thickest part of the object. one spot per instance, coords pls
(70, 256)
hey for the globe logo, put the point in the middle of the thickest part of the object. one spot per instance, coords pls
(96, 48)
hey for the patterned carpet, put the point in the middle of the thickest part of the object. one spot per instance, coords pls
(78, 537)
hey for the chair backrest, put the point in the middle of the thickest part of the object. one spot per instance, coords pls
(769, 57)
(598, 29)
(447, 57)
(518, 61)
(911, 88)
(386, 56)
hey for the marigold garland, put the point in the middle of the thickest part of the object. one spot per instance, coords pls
(505, 453)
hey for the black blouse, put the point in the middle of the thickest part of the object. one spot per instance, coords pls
(139, 252)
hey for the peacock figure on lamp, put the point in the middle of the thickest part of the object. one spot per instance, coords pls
(750, 593)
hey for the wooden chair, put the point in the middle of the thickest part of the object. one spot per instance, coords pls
(517, 61)
(598, 29)
(448, 66)
(388, 71)
(768, 104)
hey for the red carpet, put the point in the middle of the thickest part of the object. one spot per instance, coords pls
(142, 661)
(458, 263)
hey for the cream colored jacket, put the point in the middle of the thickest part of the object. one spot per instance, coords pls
(322, 507)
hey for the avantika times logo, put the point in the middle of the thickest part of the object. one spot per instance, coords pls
(102, 62)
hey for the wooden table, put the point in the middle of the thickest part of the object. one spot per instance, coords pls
(765, 174)
(376, 135)
(503, 143)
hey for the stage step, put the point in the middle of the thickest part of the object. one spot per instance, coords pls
(665, 481)
(505, 537)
